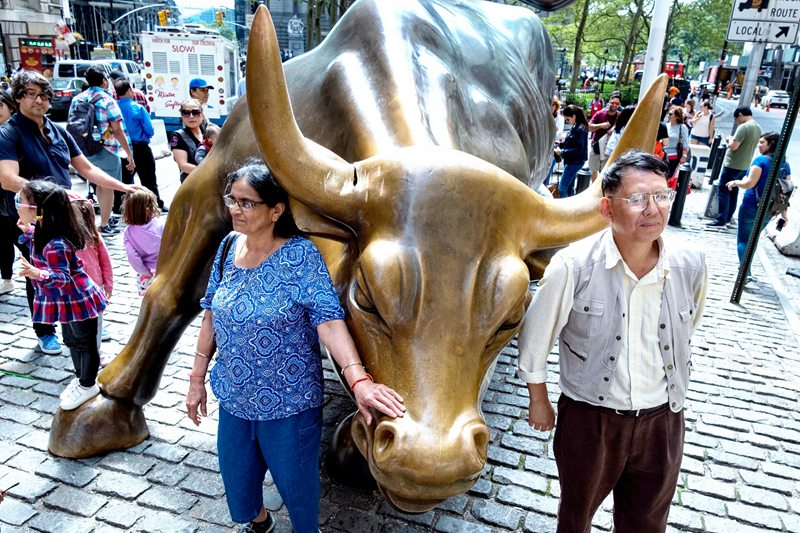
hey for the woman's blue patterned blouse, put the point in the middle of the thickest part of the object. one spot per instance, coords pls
(265, 321)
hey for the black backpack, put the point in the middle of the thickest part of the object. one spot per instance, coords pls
(81, 125)
(781, 193)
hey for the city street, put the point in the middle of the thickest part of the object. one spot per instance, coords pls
(741, 469)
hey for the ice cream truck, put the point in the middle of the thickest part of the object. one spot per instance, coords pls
(173, 56)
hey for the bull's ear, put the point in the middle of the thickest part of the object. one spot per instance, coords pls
(311, 222)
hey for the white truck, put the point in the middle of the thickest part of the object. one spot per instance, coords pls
(173, 56)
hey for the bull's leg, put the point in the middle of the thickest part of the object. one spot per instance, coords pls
(196, 224)
(344, 461)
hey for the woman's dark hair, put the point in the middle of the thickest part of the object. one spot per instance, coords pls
(10, 103)
(269, 190)
(772, 141)
(624, 117)
(85, 212)
(577, 112)
(631, 160)
(55, 215)
(139, 207)
(678, 112)
(23, 78)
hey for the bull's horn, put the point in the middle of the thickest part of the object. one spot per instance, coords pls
(568, 220)
(308, 171)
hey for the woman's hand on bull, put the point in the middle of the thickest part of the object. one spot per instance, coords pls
(196, 401)
(376, 396)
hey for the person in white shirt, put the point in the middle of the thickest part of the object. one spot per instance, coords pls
(623, 306)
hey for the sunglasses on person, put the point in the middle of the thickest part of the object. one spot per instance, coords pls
(30, 94)
(18, 203)
(638, 201)
(192, 112)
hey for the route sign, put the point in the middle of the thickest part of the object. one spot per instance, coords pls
(765, 21)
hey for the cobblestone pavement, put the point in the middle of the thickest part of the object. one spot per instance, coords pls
(741, 470)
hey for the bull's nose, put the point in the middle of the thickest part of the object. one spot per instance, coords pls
(447, 454)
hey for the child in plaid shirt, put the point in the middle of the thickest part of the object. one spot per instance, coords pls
(63, 292)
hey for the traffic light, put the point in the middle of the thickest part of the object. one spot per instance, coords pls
(220, 14)
(162, 17)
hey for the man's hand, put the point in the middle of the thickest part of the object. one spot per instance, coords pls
(541, 415)
(131, 166)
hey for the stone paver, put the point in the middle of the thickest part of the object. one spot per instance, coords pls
(741, 469)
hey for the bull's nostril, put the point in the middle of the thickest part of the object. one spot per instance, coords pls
(480, 435)
(384, 440)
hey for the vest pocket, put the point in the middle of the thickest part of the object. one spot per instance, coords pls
(585, 317)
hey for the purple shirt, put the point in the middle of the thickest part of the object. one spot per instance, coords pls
(142, 244)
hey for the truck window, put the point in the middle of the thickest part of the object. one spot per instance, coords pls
(66, 71)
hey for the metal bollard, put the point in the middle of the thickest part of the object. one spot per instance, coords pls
(713, 154)
(719, 158)
(582, 180)
(684, 177)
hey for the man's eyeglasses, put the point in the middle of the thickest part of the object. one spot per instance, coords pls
(18, 203)
(192, 112)
(638, 201)
(244, 205)
(30, 94)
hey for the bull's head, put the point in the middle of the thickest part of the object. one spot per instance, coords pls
(438, 283)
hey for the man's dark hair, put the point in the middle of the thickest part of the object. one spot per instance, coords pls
(117, 75)
(742, 111)
(631, 160)
(27, 77)
(122, 86)
(95, 76)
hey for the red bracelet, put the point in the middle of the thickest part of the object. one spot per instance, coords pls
(356, 382)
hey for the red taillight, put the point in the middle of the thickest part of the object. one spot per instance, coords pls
(59, 93)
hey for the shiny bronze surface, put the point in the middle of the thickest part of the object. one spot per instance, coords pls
(411, 147)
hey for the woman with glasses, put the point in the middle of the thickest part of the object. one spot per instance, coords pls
(754, 189)
(678, 147)
(184, 142)
(8, 218)
(269, 302)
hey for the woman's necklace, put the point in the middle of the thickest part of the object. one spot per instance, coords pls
(252, 270)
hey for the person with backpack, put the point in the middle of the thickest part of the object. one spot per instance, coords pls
(754, 187)
(95, 121)
(31, 147)
(185, 141)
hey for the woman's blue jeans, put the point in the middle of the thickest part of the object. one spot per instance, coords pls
(747, 218)
(566, 186)
(289, 448)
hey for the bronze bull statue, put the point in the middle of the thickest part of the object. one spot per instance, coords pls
(409, 149)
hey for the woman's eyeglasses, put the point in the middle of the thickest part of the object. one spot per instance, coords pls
(192, 112)
(244, 205)
(18, 203)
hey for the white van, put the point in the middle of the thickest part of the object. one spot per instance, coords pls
(76, 68)
(127, 67)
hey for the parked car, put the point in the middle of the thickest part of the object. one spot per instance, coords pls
(776, 99)
(76, 68)
(64, 89)
(129, 68)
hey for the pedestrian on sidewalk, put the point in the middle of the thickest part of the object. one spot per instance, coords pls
(33, 146)
(599, 126)
(8, 215)
(210, 137)
(64, 292)
(111, 133)
(269, 301)
(96, 261)
(623, 306)
(737, 160)
(140, 129)
(678, 148)
(185, 141)
(573, 150)
(754, 189)
(704, 122)
(142, 236)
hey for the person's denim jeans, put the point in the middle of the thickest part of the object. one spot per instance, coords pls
(289, 448)
(81, 339)
(726, 199)
(566, 185)
(747, 218)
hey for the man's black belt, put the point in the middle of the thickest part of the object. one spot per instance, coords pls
(622, 412)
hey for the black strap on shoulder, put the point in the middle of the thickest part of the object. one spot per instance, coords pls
(227, 242)
(190, 144)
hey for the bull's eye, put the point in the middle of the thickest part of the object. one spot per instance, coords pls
(360, 296)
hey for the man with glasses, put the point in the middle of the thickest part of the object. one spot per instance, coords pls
(32, 146)
(111, 132)
(623, 306)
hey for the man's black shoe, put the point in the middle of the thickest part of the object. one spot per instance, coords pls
(716, 224)
(258, 527)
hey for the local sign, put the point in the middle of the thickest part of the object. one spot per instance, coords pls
(765, 21)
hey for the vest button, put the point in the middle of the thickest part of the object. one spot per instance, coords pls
(690, 311)
(623, 315)
(601, 398)
(674, 404)
(619, 338)
(613, 358)
(605, 379)
(666, 346)
(669, 367)
(672, 386)
(586, 308)
(662, 326)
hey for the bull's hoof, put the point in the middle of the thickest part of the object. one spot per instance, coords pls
(344, 462)
(98, 426)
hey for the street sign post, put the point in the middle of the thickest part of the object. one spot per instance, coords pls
(765, 21)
